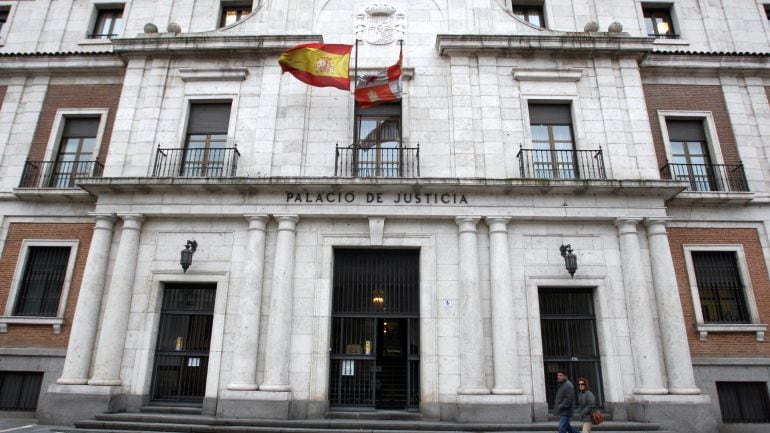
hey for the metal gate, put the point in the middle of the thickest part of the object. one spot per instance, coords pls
(568, 327)
(375, 352)
(182, 351)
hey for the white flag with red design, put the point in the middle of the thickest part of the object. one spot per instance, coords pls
(382, 87)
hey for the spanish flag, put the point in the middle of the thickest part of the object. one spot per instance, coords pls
(320, 65)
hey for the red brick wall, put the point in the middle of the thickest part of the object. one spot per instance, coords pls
(723, 344)
(75, 96)
(42, 335)
(2, 94)
(676, 97)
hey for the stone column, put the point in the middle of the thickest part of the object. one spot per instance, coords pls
(504, 347)
(83, 334)
(112, 338)
(244, 371)
(676, 352)
(281, 300)
(644, 346)
(471, 322)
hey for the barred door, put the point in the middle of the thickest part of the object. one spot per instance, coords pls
(182, 351)
(375, 330)
(568, 327)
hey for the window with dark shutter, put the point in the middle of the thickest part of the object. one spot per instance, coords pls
(721, 291)
(19, 390)
(658, 22)
(744, 402)
(206, 150)
(690, 159)
(109, 23)
(378, 141)
(42, 281)
(552, 141)
(232, 12)
(529, 12)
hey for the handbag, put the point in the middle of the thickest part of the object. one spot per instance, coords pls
(597, 417)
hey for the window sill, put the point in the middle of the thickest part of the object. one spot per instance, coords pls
(105, 42)
(672, 42)
(704, 329)
(56, 322)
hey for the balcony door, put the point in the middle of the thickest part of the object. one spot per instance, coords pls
(553, 154)
(76, 157)
(206, 145)
(378, 141)
(689, 153)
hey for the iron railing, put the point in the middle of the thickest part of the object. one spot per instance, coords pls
(102, 35)
(663, 35)
(708, 177)
(561, 164)
(196, 162)
(359, 161)
(58, 174)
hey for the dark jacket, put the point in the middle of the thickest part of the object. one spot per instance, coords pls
(586, 405)
(564, 403)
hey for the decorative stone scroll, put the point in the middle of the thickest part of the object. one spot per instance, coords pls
(380, 24)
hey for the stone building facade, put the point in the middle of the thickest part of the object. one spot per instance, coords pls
(406, 257)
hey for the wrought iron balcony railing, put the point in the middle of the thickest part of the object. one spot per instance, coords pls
(196, 162)
(663, 35)
(391, 161)
(561, 164)
(57, 174)
(101, 35)
(708, 177)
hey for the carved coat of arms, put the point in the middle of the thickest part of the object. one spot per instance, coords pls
(380, 24)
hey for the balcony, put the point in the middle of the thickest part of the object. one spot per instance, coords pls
(196, 162)
(394, 161)
(58, 174)
(561, 164)
(708, 177)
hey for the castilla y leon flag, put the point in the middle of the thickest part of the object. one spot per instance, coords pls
(382, 87)
(320, 65)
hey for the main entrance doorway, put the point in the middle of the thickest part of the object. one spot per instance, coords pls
(182, 351)
(375, 352)
(568, 326)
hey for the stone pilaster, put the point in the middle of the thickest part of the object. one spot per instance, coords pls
(83, 334)
(471, 323)
(244, 372)
(676, 352)
(504, 347)
(649, 373)
(112, 338)
(281, 299)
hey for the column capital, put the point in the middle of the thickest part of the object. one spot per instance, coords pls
(286, 222)
(657, 221)
(467, 223)
(257, 221)
(497, 223)
(627, 225)
(104, 221)
(131, 221)
(656, 226)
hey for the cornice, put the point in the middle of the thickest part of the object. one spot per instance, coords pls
(169, 43)
(451, 45)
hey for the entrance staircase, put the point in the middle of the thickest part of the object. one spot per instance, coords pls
(339, 422)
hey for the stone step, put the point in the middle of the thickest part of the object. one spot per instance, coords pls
(375, 415)
(176, 410)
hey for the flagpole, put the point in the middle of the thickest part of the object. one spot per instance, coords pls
(355, 69)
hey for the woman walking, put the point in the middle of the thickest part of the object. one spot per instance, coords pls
(586, 403)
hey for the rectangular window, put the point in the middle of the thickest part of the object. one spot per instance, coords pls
(721, 290)
(42, 281)
(689, 153)
(530, 13)
(553, 153)
(233, 12)
(378, 141)
(658, 22)
(744, 402)
(4, 12)
(109, 23)
(75, 158)
(19, 390)
(767, 13)
(206, 152)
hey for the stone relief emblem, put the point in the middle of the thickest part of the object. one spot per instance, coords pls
(380, 24)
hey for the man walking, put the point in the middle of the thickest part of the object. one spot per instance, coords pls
(564, 403)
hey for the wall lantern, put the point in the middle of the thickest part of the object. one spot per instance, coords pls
(570, 260)
(187, 253)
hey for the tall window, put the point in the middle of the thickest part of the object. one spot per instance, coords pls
(233, 12)
(4, 12)
(720, 288)
(109, 23)
(657, 20)
(744, 402)
(205, 149)
(378, 140)
(552, 141)
(75, 158)
(689, 154)
(42, 281)
(531, 13)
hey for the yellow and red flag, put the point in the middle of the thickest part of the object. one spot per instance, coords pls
(374, 89)
(320, 65)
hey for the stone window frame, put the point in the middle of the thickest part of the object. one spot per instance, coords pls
(57, 129)
(57, 321)
(763, 10)
(672, 6)
(190, 100)
(704, 328)
(12, 7)
(233, 4)
(579, 141)
(709, 129)
(96, 6)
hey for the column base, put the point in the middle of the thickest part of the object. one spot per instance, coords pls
(507, 391)
(275, 388)
(677, 413)
(502, 409)
(254, 404)
(66, 404)
(68, 381)
(243, 386)
(684, 391)
(105, 382)
(651, 391)
(473, 391)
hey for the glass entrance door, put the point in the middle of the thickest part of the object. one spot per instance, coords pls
(568, 327)
(182, 351)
